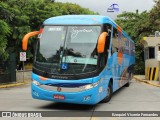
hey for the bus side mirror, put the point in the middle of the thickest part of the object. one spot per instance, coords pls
(101, 42)
(26, 38)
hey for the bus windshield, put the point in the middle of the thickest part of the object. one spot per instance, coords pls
(67, 49)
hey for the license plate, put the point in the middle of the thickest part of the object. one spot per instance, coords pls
(61, 97)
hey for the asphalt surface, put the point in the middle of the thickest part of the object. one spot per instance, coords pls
(138, 97)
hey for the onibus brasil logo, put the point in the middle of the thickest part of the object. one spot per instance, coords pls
(113, 8)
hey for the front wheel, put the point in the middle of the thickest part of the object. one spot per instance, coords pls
(109, 94)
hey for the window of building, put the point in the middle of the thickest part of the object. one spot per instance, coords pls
(149, 53)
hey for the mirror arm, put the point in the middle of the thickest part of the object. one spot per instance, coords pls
(26, 38)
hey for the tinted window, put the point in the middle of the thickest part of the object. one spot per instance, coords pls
(115, 41)
(149, 53)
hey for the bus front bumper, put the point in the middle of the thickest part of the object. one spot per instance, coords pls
(90, 97)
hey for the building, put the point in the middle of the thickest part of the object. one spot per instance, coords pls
(152, 56)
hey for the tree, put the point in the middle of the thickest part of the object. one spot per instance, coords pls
(22, 16)
(3, 41)
(154, 15)
(4, 30)
(138, 25)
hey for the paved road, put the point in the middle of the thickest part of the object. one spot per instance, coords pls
(137, 97)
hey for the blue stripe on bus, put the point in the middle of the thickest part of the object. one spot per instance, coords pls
(67, 84)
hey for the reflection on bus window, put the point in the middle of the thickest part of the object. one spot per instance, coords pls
(115, 41)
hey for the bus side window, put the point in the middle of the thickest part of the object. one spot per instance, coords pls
(115, 41)
(126, 47)
(120, 42)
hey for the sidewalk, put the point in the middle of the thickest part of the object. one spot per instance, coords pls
(7, 85)
(21, 79)
(141, 78)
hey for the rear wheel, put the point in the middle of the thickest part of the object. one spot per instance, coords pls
(129, 79)
(127, 84)
(109, 94)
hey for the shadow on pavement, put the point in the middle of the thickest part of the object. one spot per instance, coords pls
(67, 106)
(76, 107)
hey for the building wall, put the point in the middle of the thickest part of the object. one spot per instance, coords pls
(152, 41)
(152, 65)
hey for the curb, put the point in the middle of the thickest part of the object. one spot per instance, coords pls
(147, 82)
(13, 85)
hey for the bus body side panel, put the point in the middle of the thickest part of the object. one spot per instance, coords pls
(119, 72)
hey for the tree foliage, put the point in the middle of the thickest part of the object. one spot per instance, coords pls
(18, 17)
(4, 31)
(138, 25)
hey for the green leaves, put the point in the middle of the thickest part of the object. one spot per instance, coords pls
(18, 17)
(139, 25)
(4, 32)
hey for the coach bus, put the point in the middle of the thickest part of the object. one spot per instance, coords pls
(81, 59)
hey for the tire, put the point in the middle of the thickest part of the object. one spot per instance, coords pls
(127, 84)
(109, 96)
(129, 78)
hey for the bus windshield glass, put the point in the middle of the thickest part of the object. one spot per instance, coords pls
(67, 49)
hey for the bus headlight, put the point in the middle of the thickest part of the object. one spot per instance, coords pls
(36, 82)
(89, 86)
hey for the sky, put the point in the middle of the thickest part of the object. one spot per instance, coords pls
(101, 6)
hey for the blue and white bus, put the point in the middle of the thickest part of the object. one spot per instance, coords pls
(80, 59)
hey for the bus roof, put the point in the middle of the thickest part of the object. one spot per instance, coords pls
(78, 19)
(82, 20)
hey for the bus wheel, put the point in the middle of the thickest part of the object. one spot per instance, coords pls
(129, 78)
(109, 95)
(127, 84)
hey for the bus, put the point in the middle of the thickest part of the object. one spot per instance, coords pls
(80, 59)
